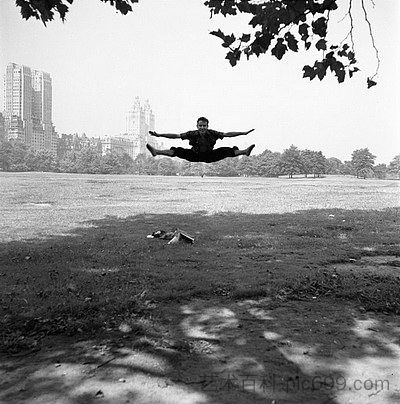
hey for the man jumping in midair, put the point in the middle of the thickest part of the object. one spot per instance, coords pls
(202, 141)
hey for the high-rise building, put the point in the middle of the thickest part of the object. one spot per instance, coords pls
(139, 120)
(28, 107)
(2, 128)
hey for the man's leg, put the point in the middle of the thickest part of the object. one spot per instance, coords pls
(154, 152)
(246, 152)
(180, 152)
(224, 152)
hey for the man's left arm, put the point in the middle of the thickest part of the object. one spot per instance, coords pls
(233, 134)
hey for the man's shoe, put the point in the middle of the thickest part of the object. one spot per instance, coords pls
(151, 149)
(249, 149)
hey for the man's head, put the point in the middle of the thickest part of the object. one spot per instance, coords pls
(202, 124)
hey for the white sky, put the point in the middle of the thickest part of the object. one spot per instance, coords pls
(100, 60)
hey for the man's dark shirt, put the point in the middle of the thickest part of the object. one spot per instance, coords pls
(202, 143)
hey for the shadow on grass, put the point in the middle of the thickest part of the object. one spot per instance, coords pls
(261, 307)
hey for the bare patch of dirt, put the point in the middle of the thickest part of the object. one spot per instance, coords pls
(220, 351)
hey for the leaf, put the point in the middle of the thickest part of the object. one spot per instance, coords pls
(228, 8)
(244, 7)
(335, 64)
(321, 44)
(296, 11)
(303, 31)
(371, 83)
(329, 5)
(292, 42)
(351, 72)
(247, 51)
(228, 39)
(233, 57)
(26, 10)
(245, 38)
(218, 33)
(309, 72)
(280, 49)
(62, 10)
(319, 27)
(261, 44)
(340, 74)
(320, 69)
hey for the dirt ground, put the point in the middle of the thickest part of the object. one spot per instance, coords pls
(220, 351)
(292, 308)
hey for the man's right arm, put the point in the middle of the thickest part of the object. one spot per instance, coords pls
(168, 135)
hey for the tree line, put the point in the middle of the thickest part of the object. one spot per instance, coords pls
(16, 156)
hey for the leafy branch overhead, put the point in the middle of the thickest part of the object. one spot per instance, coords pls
(278, 26)
(44, 9)
(285, 25)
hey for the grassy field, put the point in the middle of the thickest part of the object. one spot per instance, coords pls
(75, 262)
(84, 235)
(44, 204)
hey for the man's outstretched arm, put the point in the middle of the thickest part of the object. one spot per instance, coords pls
(233, 134)
(168, 135)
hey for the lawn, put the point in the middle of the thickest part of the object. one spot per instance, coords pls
(40, 204)
(76, 261)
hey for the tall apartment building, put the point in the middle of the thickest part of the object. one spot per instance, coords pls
(139, 120)
(2, 128)
(28, 107)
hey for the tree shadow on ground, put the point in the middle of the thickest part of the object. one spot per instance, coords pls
(257, 309)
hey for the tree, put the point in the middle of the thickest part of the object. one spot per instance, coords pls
(42, 160)
(166, 166)
(394, 166)
(190, 168)
(109, 164)
(334, 166)
(89, 161)
(68, 162)
(362, 162)
(17, 157)
(5, 155)
(307, 160)
(380, 171)
(348, 168)
(223, 168)
(127, 164)
(278, 26)
(267, 164)
(145, 165)
(318, 163)
(247, 166)
(291, 162)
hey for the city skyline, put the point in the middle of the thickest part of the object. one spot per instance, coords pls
(28, 107)
(28, 117)
(105, 60)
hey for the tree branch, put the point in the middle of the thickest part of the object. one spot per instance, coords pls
(372, 39)
(350, 33)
